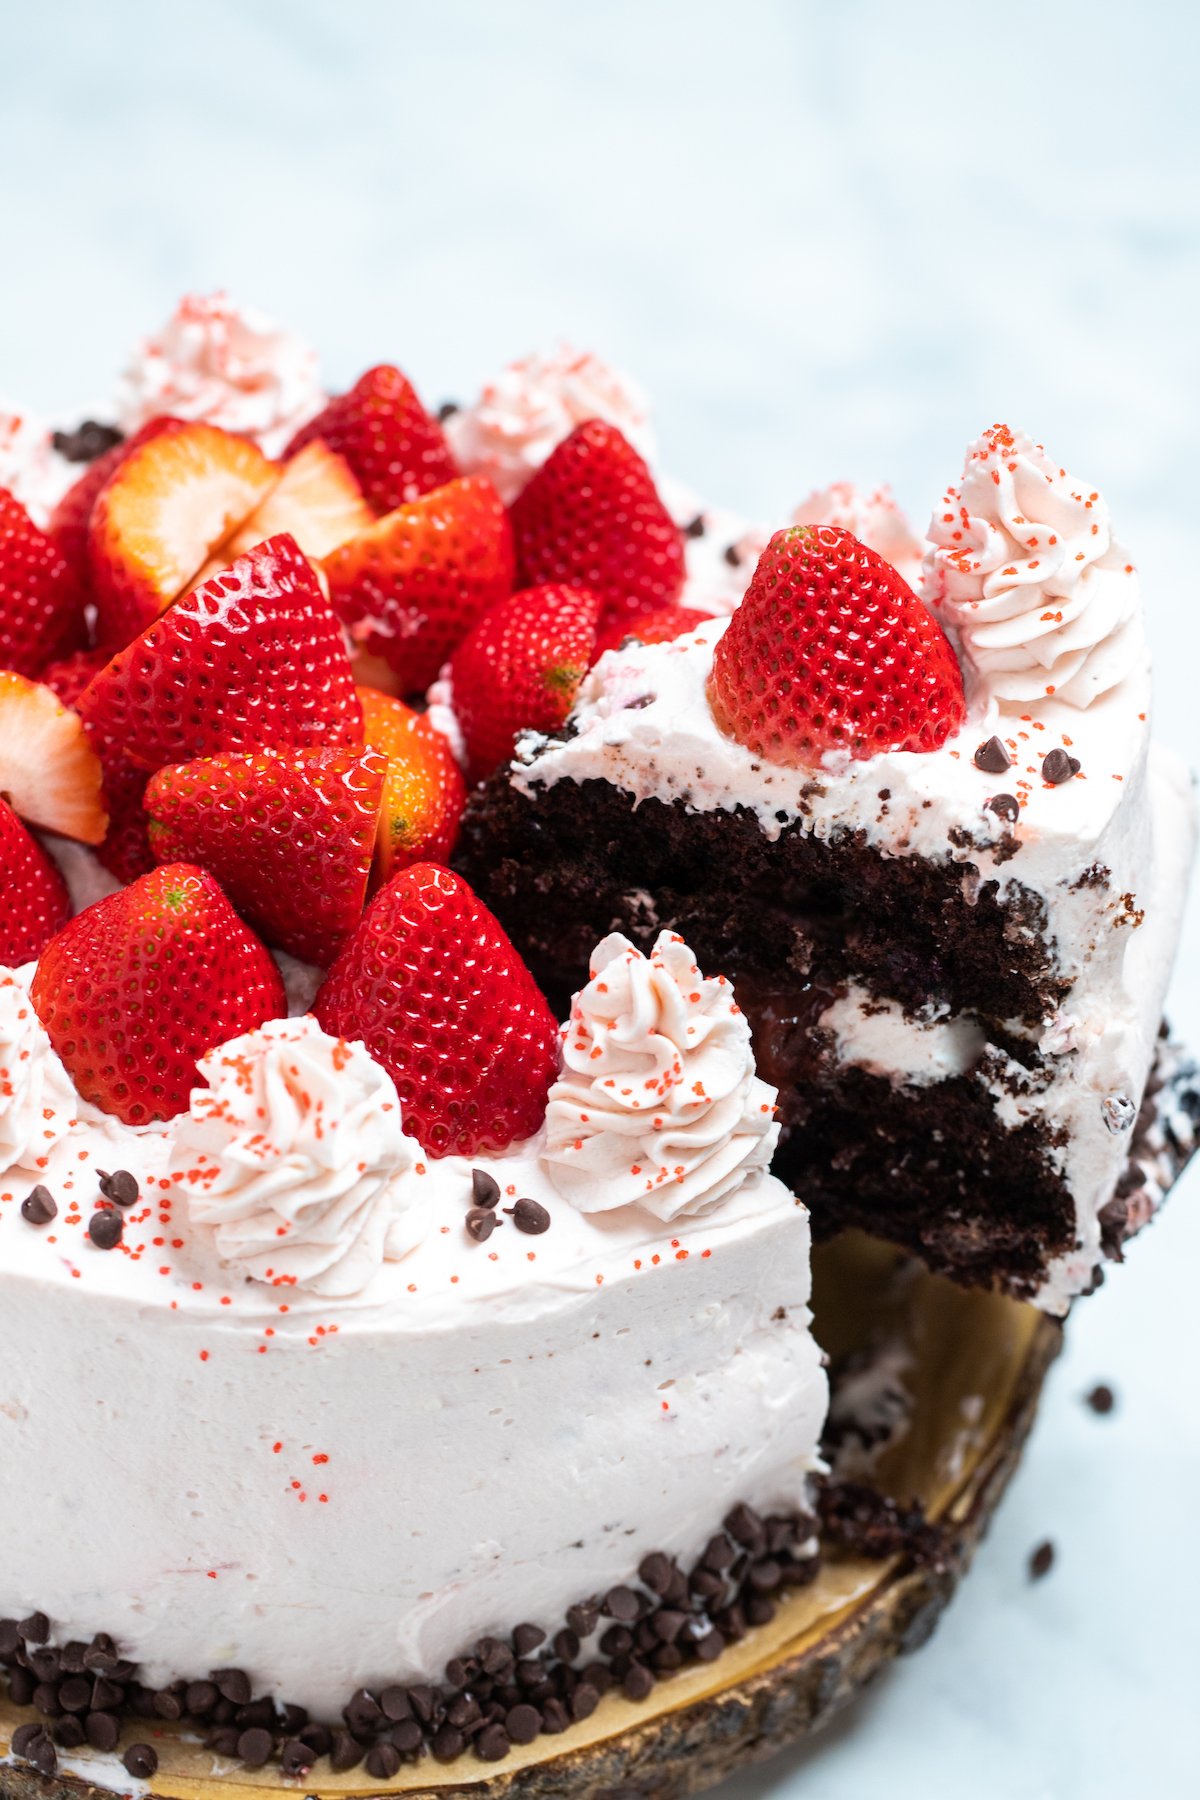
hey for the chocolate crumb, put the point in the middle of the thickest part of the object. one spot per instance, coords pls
(1102, 1399)
(120, 1187)
(88, 441)
(530, 1216)
(1057, 767)
(1006, 807)
(39, 1206)
(993, 757)
(695, 527)
(485, 1189)
(731, 556)
(141, 1761)
(1041, 1561)
(481, 1223)
(106, 1229)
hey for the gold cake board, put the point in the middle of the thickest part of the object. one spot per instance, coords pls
(976, 1371)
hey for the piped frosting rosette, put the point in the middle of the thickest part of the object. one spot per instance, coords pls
(658, 1103)
(1024, 567)
(294, 1155)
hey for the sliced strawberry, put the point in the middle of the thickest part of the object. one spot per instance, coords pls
(72, 516)
(658, 627)
(591, 517)
(423, 791)
(172, 502)
(69, 677)
(433, 988)
(289, 834)
(316, 500)
(520, 668)
(137, 987)
(411, 587)
(49, 773)
(125, 851)
(253, 658)
(396, 450)
(832, 650)
(41, 605)
(36, 902)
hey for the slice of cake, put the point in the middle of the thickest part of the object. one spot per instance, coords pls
(950, 903)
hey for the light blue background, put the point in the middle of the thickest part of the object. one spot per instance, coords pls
(831, 241)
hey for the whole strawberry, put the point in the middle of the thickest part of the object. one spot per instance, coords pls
(591, 517)
(411, 587)
(125, 850)
(658, 627)
(137, 987)
(520, 669)
(433, 988)
(36, 904)
(289, 834)
(41, 605)
(253, 657)
(423, 790)
(397, 451)
(832, 650)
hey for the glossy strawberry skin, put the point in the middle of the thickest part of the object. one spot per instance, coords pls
(137, 987)
(36, 903)
(591, 517)
(395, 448)
(424, 793)
(410, 588)
(832, 651)
(520, 668)
(41, 604)
(71, 517)
(431, 985)
(289, 834)
(658, 627)
(252, 658)
(125, 851)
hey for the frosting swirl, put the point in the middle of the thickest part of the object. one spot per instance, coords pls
(1024, 566)
(38, 1102)
(223, 365)
(532, 405)
(658, 1104)
(29, 467)
(293, 1154)
(874, 519)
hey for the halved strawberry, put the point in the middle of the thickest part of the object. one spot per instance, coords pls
(316, 500)
(433, 988)
(137, 987)
(411, 587)
(125, 851)
(658, 627)
(591, 517)
(520, 668)
(36, 902)
(396, 450)
(41, 605)
(289, 834)
(72, 516)
(253, 658)
(49, 773)
(423, 791)
(832, 650)
(159, 519)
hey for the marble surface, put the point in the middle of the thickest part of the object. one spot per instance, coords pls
(830, 241)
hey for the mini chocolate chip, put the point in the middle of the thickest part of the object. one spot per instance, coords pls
(555, 1717)
(565, 1646)
(232, 1684)
(583, 1617)
(655, 1572)
(169, 1705)
(120, 1187)
(710, 1646)
(744, 1526)
(292, 1718)
(383, 1760)
(637, 1683)
(258, 1712)
(69, 1733)
(616, 1641)
(719, 1553)
(141, 1760)
(526, 1639)
(447, 410)
(530, 1216)
(103, 1730)
(319, 1739)
(492, 1743)
(20, 1686)
(422, 1699)
(494, 1657)
(460, 1670)
(765, 1576)
(75, 1694)
(45, 1698)
(584, 1701)
(522, 1723)
(105, 1229)
(107, 1696)
(35, 1629)
(1058, 767)
(200, 1697)
(44, 1662)
(296, 1758)
(760, 1610)
(481, 1224)
(620, 1603)
(254, 1747)
(394, 1704)
(10, 1636)
(1041, 1561)
(1005, 807)
(667, 1623)
(407, 1736)
(731, 556)
(1102, 1400)
(362, 1708)
(448, 1743)
(345, 1754)
(88, 441)
(222, 1740)
(24, 1735)
(993, 757)
(32, 1742)
(694, 527)
(485, 1189)
(39, 1206)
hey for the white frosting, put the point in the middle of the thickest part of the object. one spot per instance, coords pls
(532, 405)
(38, 1102)
(874, 518)
(30, 466)
(224, 365)
(1024, 566)
(294, 1154)
(877, 1035)
(658, 1104)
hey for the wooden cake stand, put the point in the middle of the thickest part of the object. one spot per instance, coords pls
(975, 1365)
